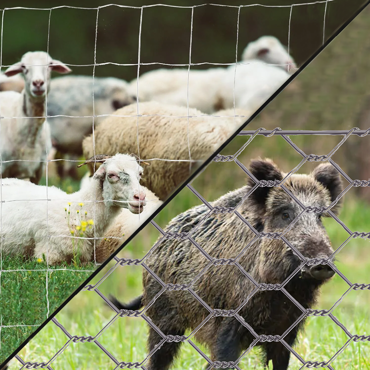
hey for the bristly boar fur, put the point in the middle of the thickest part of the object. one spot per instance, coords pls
(224, 235)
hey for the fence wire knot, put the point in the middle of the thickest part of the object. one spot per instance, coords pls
(264, 286)
(129, 313)
(222, 210)
(89, 287)
(177, 236)
(223, 158)
(176, 286)
(268, 183)
(361, 183)
(361, 286)
(361, 338)
(269, 338)
(316, 261)
(175, 338)
(274, 131)
(357, 234)
(312, 312)
(82, 339)
(270, 235)
(367, 132)
(225, 313)
(224, 364)
(315, 364)
(315, 209)
(129, 262)
(129, 365)
(35, 365)
(317, 158)
(223, 261)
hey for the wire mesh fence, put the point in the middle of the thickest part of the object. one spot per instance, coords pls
(42, 268)
(170, 286)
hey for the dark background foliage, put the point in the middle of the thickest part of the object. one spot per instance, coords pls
(166, 31)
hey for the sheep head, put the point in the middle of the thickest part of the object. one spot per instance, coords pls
(36, 68)
(120, 180)
(271, 51)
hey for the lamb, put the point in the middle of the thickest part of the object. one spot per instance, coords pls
(52, 230)
(164, 138)
(73, 96)
(25, 133)
(224, 286)
(269, 50)
(251, 84)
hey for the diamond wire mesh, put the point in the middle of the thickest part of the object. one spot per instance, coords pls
(48, 270)
(212, 313)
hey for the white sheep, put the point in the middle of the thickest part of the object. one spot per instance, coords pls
(201, 88)
(251, 84)
(24, 131)
(165, 135)
(205, 89)
(71, 102)
(124, 225)
(269, 49)
(54, 229)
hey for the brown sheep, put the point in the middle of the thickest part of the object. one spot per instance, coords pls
(161, 132)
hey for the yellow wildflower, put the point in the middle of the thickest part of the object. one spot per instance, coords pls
(90, 222)
(65, 209)
(78, 227)
(85, 213)
(80, 204)
(72, 232)
(78, 211)
(39, 260)
(84, 229)
(69, 203)
(83, 223)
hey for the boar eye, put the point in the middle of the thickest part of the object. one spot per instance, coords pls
(285, 216)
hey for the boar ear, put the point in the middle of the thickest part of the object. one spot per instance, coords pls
(330, 178)
(263, 169)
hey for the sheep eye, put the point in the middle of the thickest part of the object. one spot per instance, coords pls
(285, 216)
(111, 175)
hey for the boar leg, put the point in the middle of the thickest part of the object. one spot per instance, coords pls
(228, 345)
(278, 353)
(164, 356)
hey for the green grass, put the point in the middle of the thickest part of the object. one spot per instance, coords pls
(31, 291)
(86, 314)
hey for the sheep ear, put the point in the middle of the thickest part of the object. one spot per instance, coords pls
(14, 69)
(263, 52)
(263, 169)
(100, 173)
(58, 66)
(330, 178)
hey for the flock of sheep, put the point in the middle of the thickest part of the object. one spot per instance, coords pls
(163, 124)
